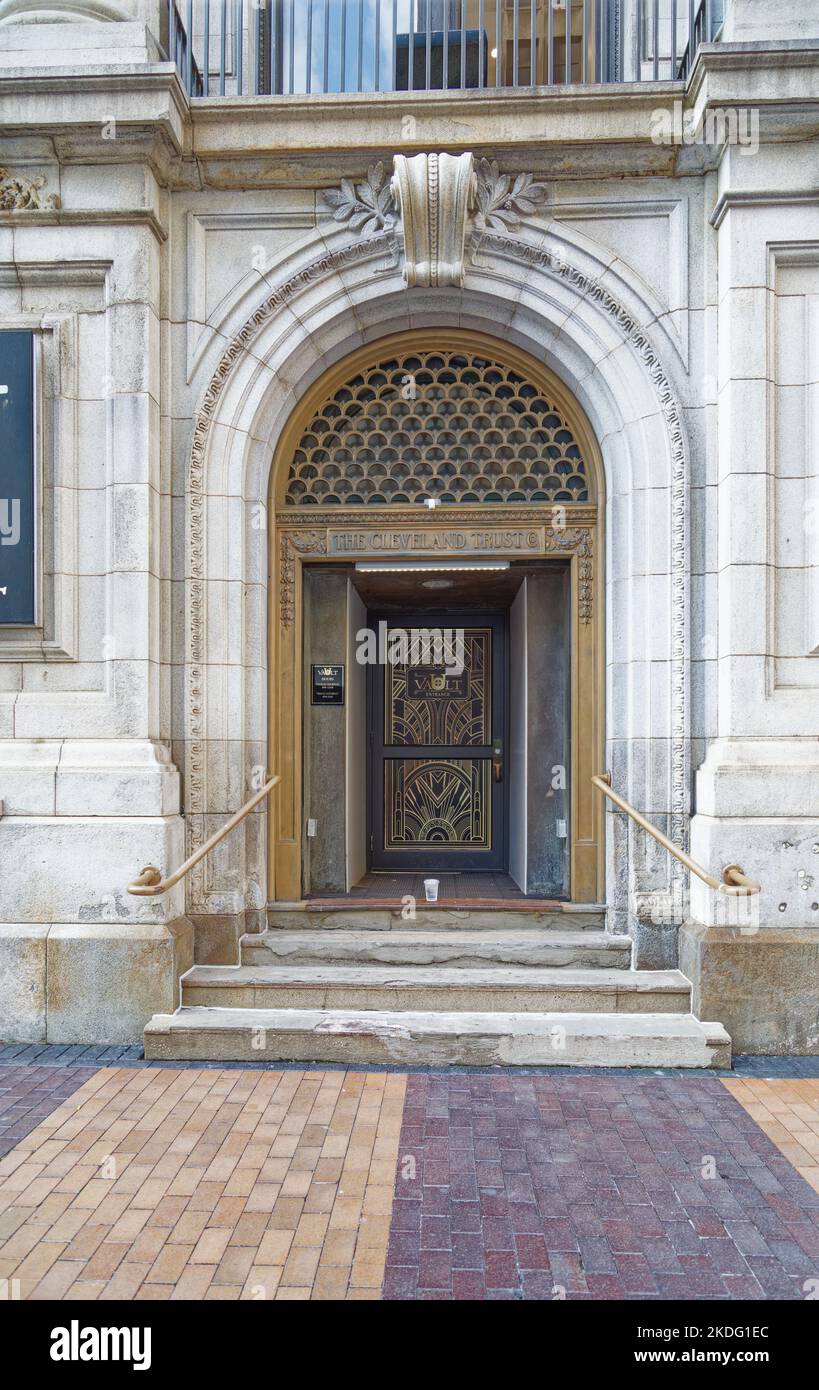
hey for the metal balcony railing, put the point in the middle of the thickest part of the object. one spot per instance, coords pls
(302, 47)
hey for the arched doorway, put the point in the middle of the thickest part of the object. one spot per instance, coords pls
(443, 483)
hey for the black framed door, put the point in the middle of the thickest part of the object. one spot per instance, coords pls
(437, 742)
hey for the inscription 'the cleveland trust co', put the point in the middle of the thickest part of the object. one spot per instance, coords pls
(449, 541)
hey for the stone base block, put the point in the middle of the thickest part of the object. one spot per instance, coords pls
(216, 939)
(89, 983)
(761, 985)
(76, 869)
(23, 981)
(778, 852)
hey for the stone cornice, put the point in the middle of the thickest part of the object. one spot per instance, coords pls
(84, 217)
(776, 78)
(496, 120)
(762, 198)
(140, 97)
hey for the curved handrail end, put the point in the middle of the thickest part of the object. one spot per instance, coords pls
(735, 883)
(144, 886)
(150, 883)
(742, 885)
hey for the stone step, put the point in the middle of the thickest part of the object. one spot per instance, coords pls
(408, 1038)
(471, 948)
(388, 917)
(509, 989)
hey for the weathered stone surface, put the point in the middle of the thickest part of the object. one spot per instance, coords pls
(23, 982)
(105, 981)
(216, 940)
(71, 868)
(762, 986)
(690, 346)
(357, 918)
(447, 946)
(439, 1039)
(528, 989)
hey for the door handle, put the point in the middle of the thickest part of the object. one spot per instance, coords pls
(497, 762)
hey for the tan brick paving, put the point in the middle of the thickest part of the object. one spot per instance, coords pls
(205, 1184)
(788, 1112)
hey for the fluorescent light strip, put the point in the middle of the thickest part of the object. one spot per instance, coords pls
(377, 567)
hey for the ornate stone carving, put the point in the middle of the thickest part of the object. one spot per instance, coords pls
(308, 543)
(524, 252)
(19, 194)
(366, 207)
(328, 263)
(516, 249)
(436, 197)
(434, 194)
(503, 201)
(580, 540)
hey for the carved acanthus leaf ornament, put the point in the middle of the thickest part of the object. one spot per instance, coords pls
(504, 201)
(366, 207)
(19, 194)
(436, 199)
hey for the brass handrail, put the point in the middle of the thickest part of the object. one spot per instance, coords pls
(734, 882)
(150, 882)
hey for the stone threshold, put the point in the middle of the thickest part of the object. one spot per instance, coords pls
(395, 904)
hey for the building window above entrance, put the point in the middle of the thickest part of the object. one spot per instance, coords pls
(453, 425)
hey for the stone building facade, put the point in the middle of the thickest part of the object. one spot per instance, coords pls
(201, 272)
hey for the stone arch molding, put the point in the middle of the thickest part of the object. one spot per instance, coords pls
(337, 291)
(63, 12)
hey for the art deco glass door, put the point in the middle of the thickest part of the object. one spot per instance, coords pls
(437, 745)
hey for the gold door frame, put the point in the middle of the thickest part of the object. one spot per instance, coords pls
(310, 534)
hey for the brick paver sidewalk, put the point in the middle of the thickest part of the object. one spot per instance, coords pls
(205, 1184)
(585, 1187)
(210, 1183)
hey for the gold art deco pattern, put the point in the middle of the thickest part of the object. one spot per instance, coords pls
(439, 804)
(426, 706)
(453, 425)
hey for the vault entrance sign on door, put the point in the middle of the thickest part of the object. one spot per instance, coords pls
(437, 797)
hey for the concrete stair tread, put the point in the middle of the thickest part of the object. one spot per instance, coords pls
(281, 940)
(446, 948)
(462, 916)
(438, 1038)
(442, 948)
(425, 934)
(566, 977)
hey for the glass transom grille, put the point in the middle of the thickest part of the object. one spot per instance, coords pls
(452, 425)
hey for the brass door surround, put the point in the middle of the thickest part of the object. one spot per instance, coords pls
(529, 530)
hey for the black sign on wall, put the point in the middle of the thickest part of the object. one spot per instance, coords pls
(17, 492)
(328, 685)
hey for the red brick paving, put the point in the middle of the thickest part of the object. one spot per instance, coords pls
(28, 1094)
(508, 1186)
(548, 1187)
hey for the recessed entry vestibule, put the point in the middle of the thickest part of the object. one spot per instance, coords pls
(473, 764)
(451, 751)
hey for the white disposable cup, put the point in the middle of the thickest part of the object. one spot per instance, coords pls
(431, 889)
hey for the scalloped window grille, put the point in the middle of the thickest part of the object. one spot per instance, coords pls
(456, 426)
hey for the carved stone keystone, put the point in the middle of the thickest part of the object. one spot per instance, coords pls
(434, 194)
